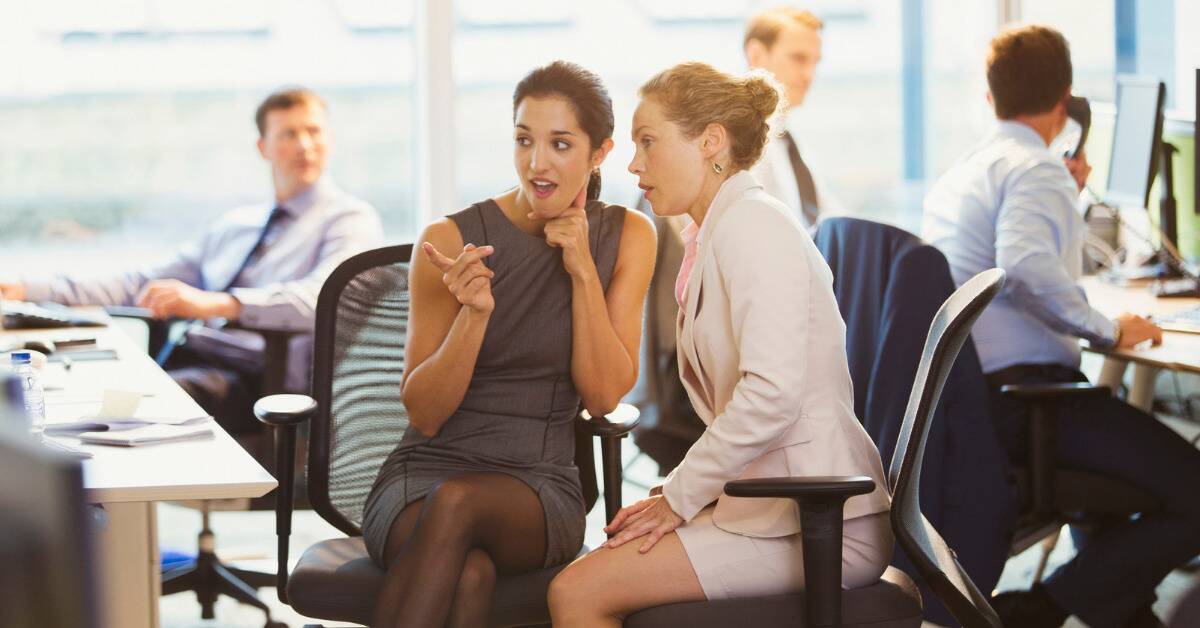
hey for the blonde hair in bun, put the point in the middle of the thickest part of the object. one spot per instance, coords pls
(694, 95)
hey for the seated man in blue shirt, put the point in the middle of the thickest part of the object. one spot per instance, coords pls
(1011, 203)
(261, 265)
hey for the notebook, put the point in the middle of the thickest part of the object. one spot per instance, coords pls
(119, 410)
(147, 435)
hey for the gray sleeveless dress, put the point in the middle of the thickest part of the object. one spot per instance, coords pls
(518, 414)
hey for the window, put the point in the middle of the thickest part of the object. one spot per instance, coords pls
(846, 116)
(957, 112)
(1090, 27)
(130, 124)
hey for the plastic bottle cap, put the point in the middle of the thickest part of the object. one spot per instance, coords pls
(22, 357)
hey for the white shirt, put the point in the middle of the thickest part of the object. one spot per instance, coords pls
(1010, 203)
(277, 289)
(774, 172)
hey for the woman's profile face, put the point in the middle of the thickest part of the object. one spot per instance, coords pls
(670, 167)
(552, 154)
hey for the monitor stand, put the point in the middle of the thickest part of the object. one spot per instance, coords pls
(1164, 265)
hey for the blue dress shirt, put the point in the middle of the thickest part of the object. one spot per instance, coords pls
(277, 287)
(1010, 203)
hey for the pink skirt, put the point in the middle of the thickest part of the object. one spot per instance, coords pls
(731, 565)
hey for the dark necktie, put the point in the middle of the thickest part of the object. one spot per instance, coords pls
(804, 181)
(277, 215)
(178, 336)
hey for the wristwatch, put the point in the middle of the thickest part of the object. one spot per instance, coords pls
(1116, 333)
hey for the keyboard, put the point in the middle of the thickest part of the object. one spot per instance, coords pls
(23, 315)
(1187, 321)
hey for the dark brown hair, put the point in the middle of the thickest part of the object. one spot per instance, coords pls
(1028, 71)
(285, 98)
(587, 96)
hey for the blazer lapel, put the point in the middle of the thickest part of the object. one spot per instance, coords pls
(689, 361)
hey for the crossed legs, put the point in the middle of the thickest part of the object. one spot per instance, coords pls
(445, 551)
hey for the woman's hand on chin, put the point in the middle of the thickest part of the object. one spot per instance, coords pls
(466, 277)
(569, 232)
(652, 517)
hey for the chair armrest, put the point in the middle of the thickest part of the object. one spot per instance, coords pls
(821, 501)
(610, 428)
(285, 410)
(276, 345)
(621, 421)
(284, 413)
(1043, 433)
(1054, 392)
(802, 488)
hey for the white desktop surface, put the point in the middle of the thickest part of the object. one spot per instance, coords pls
(208, 468)
(128, 480)
(1178, 351)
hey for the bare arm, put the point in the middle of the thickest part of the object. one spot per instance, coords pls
(606, 327)
(451, 306)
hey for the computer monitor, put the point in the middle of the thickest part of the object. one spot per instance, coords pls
(1136, 140)
(46, 577)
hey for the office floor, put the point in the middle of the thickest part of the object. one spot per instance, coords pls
(246, 539)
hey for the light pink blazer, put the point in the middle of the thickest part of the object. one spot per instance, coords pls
(762, 355)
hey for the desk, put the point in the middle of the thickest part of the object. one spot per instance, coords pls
(1178, 352)
(128, 481)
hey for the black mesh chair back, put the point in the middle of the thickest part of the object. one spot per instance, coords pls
(358, 360)
(932, 557)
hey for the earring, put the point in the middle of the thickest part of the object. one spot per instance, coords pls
(717, 168)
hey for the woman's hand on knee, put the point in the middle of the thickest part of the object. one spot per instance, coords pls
(651, 517)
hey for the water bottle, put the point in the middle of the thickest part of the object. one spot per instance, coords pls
(31, 388)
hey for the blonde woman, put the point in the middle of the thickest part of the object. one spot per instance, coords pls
(762, 356)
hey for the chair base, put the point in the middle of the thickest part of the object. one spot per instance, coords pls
(210, 579)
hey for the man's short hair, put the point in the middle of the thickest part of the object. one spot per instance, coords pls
(1028, 71)
(767, 25)
(285, 98)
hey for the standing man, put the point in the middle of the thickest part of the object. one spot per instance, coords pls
(786, 42)
(1011, 203)
(261, 265)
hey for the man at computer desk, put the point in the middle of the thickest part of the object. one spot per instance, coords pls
(262, 266)
(1011, 203)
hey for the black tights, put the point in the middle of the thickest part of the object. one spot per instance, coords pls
(444, 551)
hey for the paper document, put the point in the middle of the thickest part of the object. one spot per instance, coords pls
(118, 410)
(147, 435)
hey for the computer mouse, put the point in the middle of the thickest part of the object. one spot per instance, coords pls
(45, 347)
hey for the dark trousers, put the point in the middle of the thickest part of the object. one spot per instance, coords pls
(1116, 570)
(224, 391)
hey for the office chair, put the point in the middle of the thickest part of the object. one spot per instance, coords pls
(356, 418)
(919, 540)
(889, 286)
(894, 601)
(1053, 497)
(207, 576)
